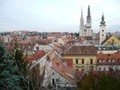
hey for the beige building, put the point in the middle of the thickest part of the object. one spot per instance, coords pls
(83, 57)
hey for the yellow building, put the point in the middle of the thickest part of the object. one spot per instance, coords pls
(111, 40)
(83, 57)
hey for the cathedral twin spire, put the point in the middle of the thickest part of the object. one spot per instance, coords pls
(85, 29)
(88, 19)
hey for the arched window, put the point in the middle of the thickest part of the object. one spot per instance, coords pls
(99, 68)
(104, 69)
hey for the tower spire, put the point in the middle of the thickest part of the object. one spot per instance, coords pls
(88, 20)
(81, 13)
(81, 18)
(102, 20)
(89, 10)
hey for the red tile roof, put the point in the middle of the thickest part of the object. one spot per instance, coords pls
(60, 68)
(63, 70)
(36, 55)
(88, 38)
(108, 59)
(69, 62)
(77, 50)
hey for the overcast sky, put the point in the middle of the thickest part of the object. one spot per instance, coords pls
(57, 15)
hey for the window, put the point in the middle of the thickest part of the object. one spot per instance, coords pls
(91, 61)
(37, 48)
(102, 34)
(85, 30)
(113, 41)
(57, 80)
(77, 69)
(82, 61)
(99, 68)
(102, 30)
(76, 61)
(82, 69)
(52, 73)
(104, 69)
(91, 68)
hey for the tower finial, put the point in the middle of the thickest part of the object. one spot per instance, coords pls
(102, 19)
(102, 16)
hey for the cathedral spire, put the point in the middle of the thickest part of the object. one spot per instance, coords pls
(89, 10)
(81, 18)
(88, 20)
(81, 13)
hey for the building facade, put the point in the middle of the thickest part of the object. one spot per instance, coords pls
(83, 58)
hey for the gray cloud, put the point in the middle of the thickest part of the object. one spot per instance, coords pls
(56, 15)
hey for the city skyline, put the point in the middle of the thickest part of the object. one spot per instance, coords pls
(57, 15)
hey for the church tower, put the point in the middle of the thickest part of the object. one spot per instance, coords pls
(102, 35)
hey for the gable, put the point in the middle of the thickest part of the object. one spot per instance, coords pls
(112, 41)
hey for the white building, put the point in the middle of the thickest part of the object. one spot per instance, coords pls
(46, 48)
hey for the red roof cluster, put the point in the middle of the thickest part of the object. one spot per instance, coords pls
(60, 68)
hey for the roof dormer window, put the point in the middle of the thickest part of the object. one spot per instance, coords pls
(113, 61)
(109, 61)
(100, 61)
(104, 61)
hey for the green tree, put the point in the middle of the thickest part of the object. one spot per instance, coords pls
(8, 78)
(87, 83)
(99, 82)
(22, 65)
(31, 78)
(107, 82)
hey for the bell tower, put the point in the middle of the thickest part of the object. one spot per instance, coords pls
(102, 35)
